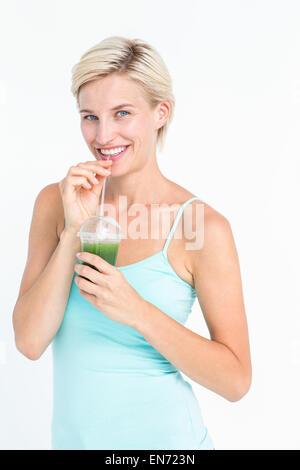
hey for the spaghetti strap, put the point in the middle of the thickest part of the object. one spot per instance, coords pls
(175, 224)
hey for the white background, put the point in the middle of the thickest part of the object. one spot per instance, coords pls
(234, 142)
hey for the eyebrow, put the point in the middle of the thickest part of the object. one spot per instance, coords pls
(112, 109)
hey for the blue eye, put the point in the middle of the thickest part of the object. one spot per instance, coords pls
(123, 112)
(85, 117)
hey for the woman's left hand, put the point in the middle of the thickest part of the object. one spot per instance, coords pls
(108, 290)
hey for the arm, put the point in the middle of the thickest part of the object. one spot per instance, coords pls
(47, 277)
(221, 364)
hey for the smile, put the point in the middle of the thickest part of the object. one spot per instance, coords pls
(113, 157)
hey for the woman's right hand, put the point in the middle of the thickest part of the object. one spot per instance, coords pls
(80, 191)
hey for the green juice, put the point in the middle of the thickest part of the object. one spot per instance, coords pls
(107, 251)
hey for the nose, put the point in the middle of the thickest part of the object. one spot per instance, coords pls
(105, 133)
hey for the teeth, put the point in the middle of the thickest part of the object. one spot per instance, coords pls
(113, 152)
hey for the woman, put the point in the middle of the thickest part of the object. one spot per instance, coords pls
(118, 335)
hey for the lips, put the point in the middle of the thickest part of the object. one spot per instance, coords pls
(114, 158)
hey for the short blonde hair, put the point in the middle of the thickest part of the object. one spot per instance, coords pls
(135, 59)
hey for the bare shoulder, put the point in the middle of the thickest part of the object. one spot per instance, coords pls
(58, 208)
(198, 213)
(180, 195)
(202, 226)
(200, 218)
(212, 219)
(206, 233)
(50, 196)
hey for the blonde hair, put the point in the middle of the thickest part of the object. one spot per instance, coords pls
(135, 59)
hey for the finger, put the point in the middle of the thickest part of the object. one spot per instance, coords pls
(97, 167)
(79, 181)
(86, 286)
(97, 261)
(76, 177)
(105, 163)
(98, 172)
(89, 297)
(90, 173)
(89, 273)
(94, 166)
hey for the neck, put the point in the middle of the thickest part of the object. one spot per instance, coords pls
(146, 185)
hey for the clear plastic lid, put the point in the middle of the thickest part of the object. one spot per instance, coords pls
(100, 228)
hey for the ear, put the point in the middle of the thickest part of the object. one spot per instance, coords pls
(162, 113)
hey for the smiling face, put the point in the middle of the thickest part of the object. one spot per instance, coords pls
(114, 113)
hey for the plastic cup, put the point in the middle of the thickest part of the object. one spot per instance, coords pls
(101, 236)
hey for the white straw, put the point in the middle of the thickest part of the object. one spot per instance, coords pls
(102, 199)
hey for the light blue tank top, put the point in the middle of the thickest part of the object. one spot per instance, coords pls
(111, 388)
